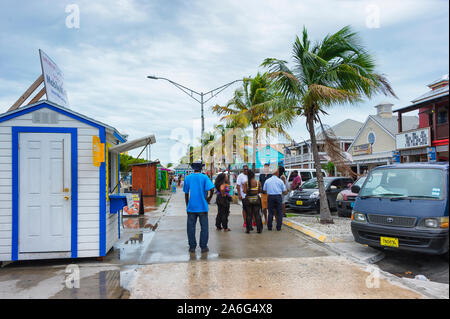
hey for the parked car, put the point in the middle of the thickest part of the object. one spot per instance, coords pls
(305, 173)
(404, 206)
(307, 196)
(346, 199)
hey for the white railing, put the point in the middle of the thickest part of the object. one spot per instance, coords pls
(300, 159)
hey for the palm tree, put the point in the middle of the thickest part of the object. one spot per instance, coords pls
(336, 70)
(256, 105)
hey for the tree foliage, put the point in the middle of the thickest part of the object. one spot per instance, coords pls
(336, 70)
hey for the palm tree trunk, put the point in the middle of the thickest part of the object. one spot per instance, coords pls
(325, 214)
(254, 149)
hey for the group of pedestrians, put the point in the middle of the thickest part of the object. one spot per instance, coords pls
(259, 197)
(264, 196)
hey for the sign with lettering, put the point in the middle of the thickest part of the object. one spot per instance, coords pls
(98, 151)
(362, 149)
(53, 80)
(413, 139)
(133, 204)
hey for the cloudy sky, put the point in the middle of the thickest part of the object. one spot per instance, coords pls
(203, 45)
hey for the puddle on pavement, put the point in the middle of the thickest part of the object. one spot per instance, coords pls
(144, 221)
(139, 222)
(151, 203)
(103, 285)
(137, 232)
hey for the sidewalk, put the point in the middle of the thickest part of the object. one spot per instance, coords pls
(272, 264)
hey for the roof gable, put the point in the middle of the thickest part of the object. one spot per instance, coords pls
(60, 109)
(346, 128)
(370, 119)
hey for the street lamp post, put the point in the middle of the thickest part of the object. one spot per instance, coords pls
(202, 101)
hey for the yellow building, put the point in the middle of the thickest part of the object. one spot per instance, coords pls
(375, 142)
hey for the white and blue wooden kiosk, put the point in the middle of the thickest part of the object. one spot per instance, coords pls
(54, 201)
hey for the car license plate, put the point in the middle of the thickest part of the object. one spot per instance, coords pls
(389, 241)
(299, 202)
(352, 204)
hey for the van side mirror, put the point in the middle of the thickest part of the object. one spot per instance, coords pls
(356, 189)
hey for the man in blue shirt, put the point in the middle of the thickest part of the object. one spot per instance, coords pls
(274, 188)
(196, 186)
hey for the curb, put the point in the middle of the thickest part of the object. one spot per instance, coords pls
(322, 237)
(417, 287)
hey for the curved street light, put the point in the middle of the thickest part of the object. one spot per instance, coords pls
(202, 100)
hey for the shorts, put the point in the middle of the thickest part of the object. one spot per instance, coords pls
(264, 201)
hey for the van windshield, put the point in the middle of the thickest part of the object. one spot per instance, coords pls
(423, 183)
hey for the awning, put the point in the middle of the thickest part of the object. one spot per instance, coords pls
(131, 145)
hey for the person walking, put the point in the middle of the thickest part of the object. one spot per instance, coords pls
(174, 185)
(241, 180)
(262, 178)
(275, 188)
(223, 199)
(198, 190)
(252, 202)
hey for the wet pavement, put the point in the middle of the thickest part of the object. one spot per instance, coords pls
(151, 260)
(107, 278)
(266, 278)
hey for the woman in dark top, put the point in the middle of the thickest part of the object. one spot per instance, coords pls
(223, 200)
(252, 202)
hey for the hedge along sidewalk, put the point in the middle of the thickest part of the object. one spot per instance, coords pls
(338, 232)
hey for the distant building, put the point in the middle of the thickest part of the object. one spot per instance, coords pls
(430, 141)
(269, 153)
(183, 169)
(300, 155)
(375, 142)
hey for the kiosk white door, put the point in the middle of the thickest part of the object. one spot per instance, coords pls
(44, 192)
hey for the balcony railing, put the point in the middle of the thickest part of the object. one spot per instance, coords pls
(300, 159)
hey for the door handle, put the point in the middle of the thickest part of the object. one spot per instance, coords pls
(66, 197)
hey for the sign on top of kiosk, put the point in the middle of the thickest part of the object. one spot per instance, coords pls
(53, 80)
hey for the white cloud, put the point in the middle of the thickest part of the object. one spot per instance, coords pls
(203, 45)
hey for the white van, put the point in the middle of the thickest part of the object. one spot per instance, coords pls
(305, 173)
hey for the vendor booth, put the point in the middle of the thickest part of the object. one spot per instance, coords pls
(58, 169)
(144, 176)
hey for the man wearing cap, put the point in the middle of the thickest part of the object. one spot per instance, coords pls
(198, 189)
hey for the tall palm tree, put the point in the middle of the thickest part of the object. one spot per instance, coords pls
(336, 70)
(256, 105)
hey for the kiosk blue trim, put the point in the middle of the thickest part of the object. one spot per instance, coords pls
(102, 195)
(15, 183)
